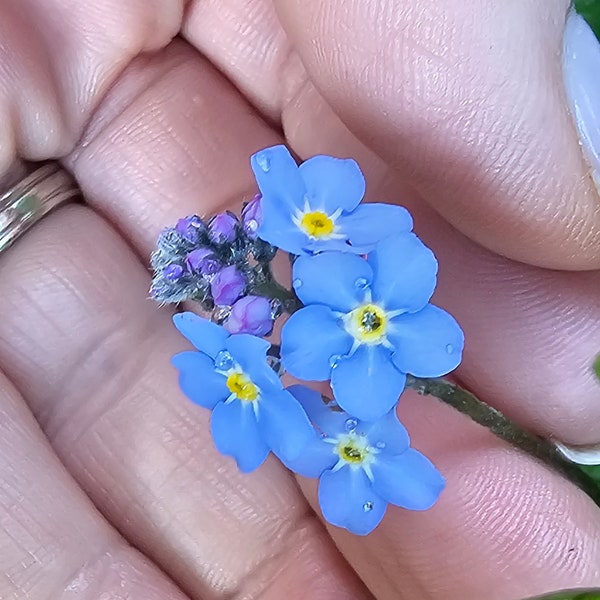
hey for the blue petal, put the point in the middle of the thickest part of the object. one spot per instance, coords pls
(370, 223)
(327, 417)
(284, 424)
(332, 183)
(428, 343)
(408, 480)
(250, 352)
(405, 273)
(366, 384)
(202, 333)
(309, 340)
(387, 434)
(314, 459)
(278, 229)
(332, 278)
(198, 379)
(347, 500)
(335, 245)
(235, 433)
(278, 178)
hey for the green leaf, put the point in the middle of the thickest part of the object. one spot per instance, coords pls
(572, 595)
(596, 367)
(593, 472)
(590, 9)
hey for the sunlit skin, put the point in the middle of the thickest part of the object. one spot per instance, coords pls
(455, 109)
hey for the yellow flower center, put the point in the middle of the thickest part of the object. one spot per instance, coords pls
(354, 449)
(243, 388)
(368, 323)
(317, 224)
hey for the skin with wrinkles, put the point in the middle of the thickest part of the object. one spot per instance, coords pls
(152, 130)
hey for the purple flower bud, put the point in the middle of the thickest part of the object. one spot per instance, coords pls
(223, 228)
(252, 217)
(227, 286)
(251, 314)
(172, 272)
(202, 261)
(190, 228)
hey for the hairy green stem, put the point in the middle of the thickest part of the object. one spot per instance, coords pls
(272, 289)
(483, 414)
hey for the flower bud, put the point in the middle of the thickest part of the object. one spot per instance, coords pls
(203, 261)
(227, 286)
(252, 217)
(251, 314)
(172, 272)
(223, 228)
(190, 228)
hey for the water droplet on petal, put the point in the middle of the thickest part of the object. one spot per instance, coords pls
(380, 445)
(361, 283)
(297, 283)
(263, 161)
(449, 348)
(334, 360)
(420, 389)
(351, 425)
(224, 361)
(252, 226)
(368, 506)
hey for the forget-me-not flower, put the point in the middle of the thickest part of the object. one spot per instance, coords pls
(368, 323)
(316, 206)
(362, 467)
(251, 412)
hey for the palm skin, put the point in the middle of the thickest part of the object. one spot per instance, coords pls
(110, 484)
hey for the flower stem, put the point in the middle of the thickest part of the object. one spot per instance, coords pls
(490, 418)
(272, 289)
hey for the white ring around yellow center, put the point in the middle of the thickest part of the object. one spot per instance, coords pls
(317, 224)
(368, 323)
(241, 386)
(354, 450)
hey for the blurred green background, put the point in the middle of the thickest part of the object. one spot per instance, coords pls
(590, 9)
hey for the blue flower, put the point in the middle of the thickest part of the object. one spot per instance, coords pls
(362, 467)
(367, 323)
(316, 206)
(251, 412)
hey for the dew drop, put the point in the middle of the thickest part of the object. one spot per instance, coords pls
(361, 283)
(297, 283)
(351, 425)
(420, 389)
(334, 360)
(224, 361)
(380, 445)
(263, 161)
(252, 225)
(368, 506)
(449, 348)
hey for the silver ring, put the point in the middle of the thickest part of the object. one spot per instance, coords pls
(24, 204)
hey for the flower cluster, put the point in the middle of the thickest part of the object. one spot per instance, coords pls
(220, 263)
(361, 319)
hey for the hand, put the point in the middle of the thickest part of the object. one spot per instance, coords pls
(454, 109)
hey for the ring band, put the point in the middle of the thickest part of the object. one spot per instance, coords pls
(24, 204)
